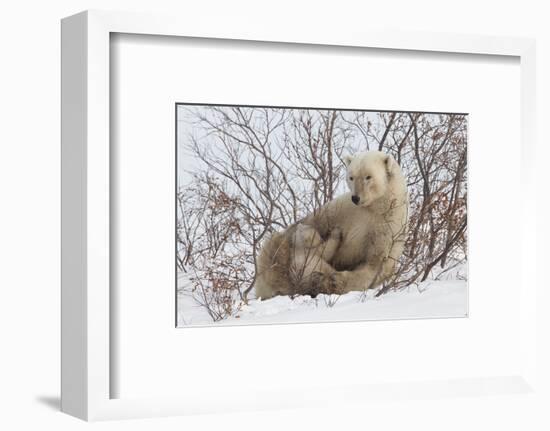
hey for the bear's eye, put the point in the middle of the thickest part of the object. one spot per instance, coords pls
(351, 178)
(368, 177)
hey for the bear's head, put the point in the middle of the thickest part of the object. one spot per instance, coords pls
(306, 236)
(369, 175)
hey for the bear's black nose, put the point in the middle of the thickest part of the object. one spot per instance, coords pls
(355, 199)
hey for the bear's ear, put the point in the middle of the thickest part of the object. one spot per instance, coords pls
(347, 159)
(390, 164)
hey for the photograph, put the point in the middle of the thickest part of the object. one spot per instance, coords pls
(305, 215)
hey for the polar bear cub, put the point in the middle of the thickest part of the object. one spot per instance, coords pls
(310, 254)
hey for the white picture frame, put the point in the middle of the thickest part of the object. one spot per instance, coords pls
(86, 313)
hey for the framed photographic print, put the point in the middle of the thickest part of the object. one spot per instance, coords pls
(234, 192)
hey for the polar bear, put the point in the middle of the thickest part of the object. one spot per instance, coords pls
(372, 219)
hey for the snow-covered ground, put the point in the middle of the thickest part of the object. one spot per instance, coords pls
(431, 299)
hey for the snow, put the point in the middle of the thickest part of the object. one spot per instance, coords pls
(430, 299)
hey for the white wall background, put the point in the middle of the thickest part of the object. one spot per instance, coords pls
(29, 202)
